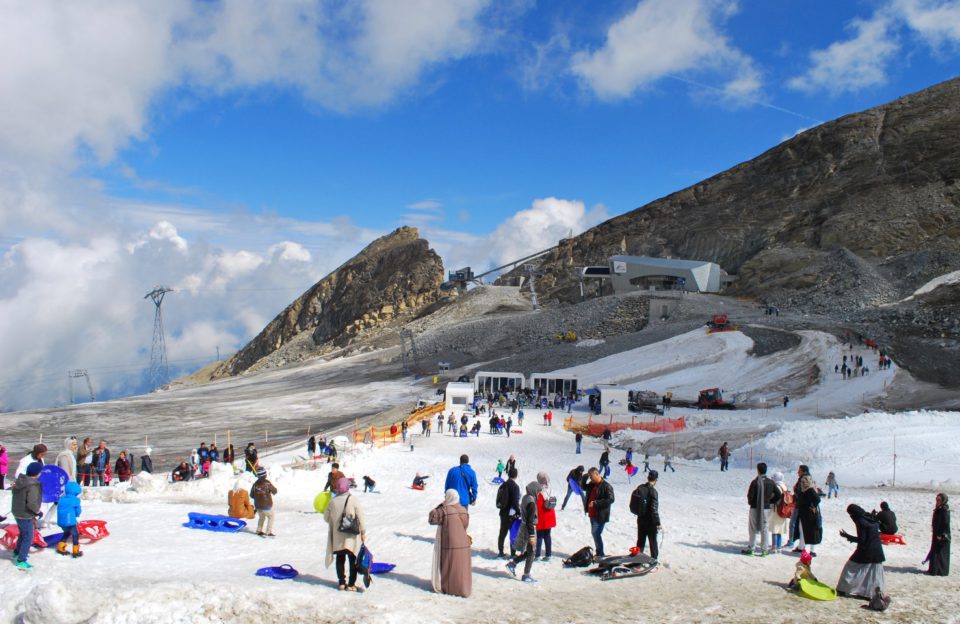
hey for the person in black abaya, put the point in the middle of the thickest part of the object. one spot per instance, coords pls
(939, 555)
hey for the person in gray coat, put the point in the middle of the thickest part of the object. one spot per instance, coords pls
(526, 540)
(27, 496)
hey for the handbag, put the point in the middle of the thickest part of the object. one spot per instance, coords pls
(349, 524)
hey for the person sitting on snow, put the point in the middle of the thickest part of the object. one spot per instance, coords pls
(368, 484)
(420, 481)
(802, 571)
(182, 472)
(886, 518)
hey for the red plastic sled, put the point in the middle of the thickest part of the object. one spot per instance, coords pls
(892, 539)
(416, 487)
(516, 431)
(10, 534)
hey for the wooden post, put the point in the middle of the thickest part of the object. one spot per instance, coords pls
(894, 460)
(266, 437)
(145, 443)
(214, 438)
(751, 450)
(41, 438)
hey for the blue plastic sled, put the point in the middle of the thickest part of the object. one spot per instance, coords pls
(381, 568)
(575, 487)
(514, 529)
(496, 480)
(52, 540)
(219, 524)
(53, 479)
(282, 573)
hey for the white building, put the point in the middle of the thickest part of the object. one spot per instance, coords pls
(485, 382)
(549, 384)
(459, 396)
(632, 273)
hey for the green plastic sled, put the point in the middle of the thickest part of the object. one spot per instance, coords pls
(816, 591)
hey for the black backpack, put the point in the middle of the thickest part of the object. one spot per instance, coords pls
(503, 496)
(640, 500)
(580, 559)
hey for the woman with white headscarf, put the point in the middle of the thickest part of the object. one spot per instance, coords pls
(452, 568)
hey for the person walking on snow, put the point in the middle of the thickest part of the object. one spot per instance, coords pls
(833, 488)
(452, 568)
(344, 546)
(546, 516)
(463, 479)
(26, 500)
(724, 453)
(262, 493)
(578, 438)
(809, 520)
(645, 503)
(762, 494)
(526, 539)
(511, 463)
(68, 513)
(862, 575)
(776, 523)
(67, 458)
(597, 502)
(939, 554)
(668, 463)
(508, 505)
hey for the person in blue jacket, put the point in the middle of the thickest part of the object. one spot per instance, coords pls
(68, 513)
(463, 479)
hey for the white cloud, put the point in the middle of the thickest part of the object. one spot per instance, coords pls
(289, 251)
(83, 74)
(663, 37)
(532, 229)
(854, 64)
(936, 21)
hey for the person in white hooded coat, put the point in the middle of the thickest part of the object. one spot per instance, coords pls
(67, 458)
(342, 545)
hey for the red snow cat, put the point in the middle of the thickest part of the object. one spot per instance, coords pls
(713, 399)
(719, 323)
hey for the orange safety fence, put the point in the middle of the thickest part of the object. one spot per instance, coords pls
(595, 427)
(389, 434)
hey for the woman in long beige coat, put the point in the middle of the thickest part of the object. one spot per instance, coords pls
(452, 568)
(344, 546)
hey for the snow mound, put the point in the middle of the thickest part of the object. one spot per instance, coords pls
(591, 342)
(948, 278)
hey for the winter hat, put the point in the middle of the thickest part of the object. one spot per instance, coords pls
(653, 475)
(261, 472)
(342, 485)
(533, 488)
(543, 479)
(806, 557)
(778, 478)
(147, 451)
(34, 469)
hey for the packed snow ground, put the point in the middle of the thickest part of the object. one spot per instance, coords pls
(153, 570)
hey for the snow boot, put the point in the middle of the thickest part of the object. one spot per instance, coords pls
(528, 579)
(512, 567)
(62, 548)
(76, 552)
(23, 565)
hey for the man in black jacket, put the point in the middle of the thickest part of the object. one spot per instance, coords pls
(762, 494)
(509, 510)
(597, 502)
(647, 508)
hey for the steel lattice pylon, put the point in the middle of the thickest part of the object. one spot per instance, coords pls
(77, 374)
(159, 375)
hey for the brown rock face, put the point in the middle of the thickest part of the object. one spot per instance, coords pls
(387, 283)
(877, 191)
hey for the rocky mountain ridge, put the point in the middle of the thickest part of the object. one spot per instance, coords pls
(388, 283)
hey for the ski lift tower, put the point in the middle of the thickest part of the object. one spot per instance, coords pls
(159, 375)
(78, 374)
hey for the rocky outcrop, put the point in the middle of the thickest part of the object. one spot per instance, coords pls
(866, 206)
(387, 283)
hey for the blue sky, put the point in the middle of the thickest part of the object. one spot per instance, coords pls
(237, 152)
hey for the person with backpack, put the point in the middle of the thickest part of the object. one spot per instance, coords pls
(546, 516)
(780, 513)
(463, 479)
(527, 534)
(645, 503)
(597, 502)
(724, 454)
(762, 494)
(574, 477)
(508, 504)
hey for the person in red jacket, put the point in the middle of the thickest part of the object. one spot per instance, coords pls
(123, 467)
(546, 516)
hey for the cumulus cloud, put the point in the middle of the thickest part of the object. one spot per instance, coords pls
(527, 231)
(853, 64)
(936, 21)
(659, 38)
(81, 76)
